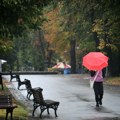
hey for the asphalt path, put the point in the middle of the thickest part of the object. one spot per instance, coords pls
(75, 96)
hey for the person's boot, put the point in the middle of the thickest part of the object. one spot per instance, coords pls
(100, 102)
(97, 104)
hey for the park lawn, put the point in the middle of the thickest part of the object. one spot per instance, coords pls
(19, 113)
(113, 81)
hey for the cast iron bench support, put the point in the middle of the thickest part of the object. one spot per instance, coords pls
(20, 82)
(43, 104)
(6, 103)
(12, 76)
(29, 88)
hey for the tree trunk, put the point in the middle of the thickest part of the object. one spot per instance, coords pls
(96, 40)
(73, 56)
(94, 33)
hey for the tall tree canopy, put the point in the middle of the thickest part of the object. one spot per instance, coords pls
(18, 15)
(86, 21)
(73, 26)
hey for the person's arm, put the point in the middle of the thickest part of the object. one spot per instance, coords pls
(92, 73)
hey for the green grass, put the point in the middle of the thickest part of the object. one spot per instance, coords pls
(113, 81)
(19, 113)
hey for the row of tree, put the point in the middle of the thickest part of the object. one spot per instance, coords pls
(89, 25)
(33, 35)
(19, 19)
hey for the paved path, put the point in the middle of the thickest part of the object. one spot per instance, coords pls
(75, 96)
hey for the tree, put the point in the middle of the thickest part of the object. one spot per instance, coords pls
(62, 30)
(56, 43)
(101, 19)
(17, 16)
(107, 30)
(88, 21)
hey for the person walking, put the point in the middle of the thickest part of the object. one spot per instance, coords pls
(98, 77)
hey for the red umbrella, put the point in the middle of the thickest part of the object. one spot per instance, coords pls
(95, 61)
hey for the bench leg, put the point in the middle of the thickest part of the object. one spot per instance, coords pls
(9, 110)
(42, 109)
(48, 111)
(6, 115)
(35, 107)
(2, 86)
(19, 84)
(11, 79)
(55, 110)
(28, 96)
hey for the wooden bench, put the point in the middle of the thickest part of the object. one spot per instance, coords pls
(12, 76)
(20, 82)
(1, 82)
(43, 104)
(6, 103)
(29, 88)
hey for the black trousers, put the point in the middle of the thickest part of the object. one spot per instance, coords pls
(98, 90)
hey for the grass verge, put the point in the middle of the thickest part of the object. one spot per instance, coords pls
(19, 113)
(113, 81)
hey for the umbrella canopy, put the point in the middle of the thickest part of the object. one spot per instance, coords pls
(95, 61)
(61, 65)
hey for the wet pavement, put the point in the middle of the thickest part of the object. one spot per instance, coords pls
(74, 94)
